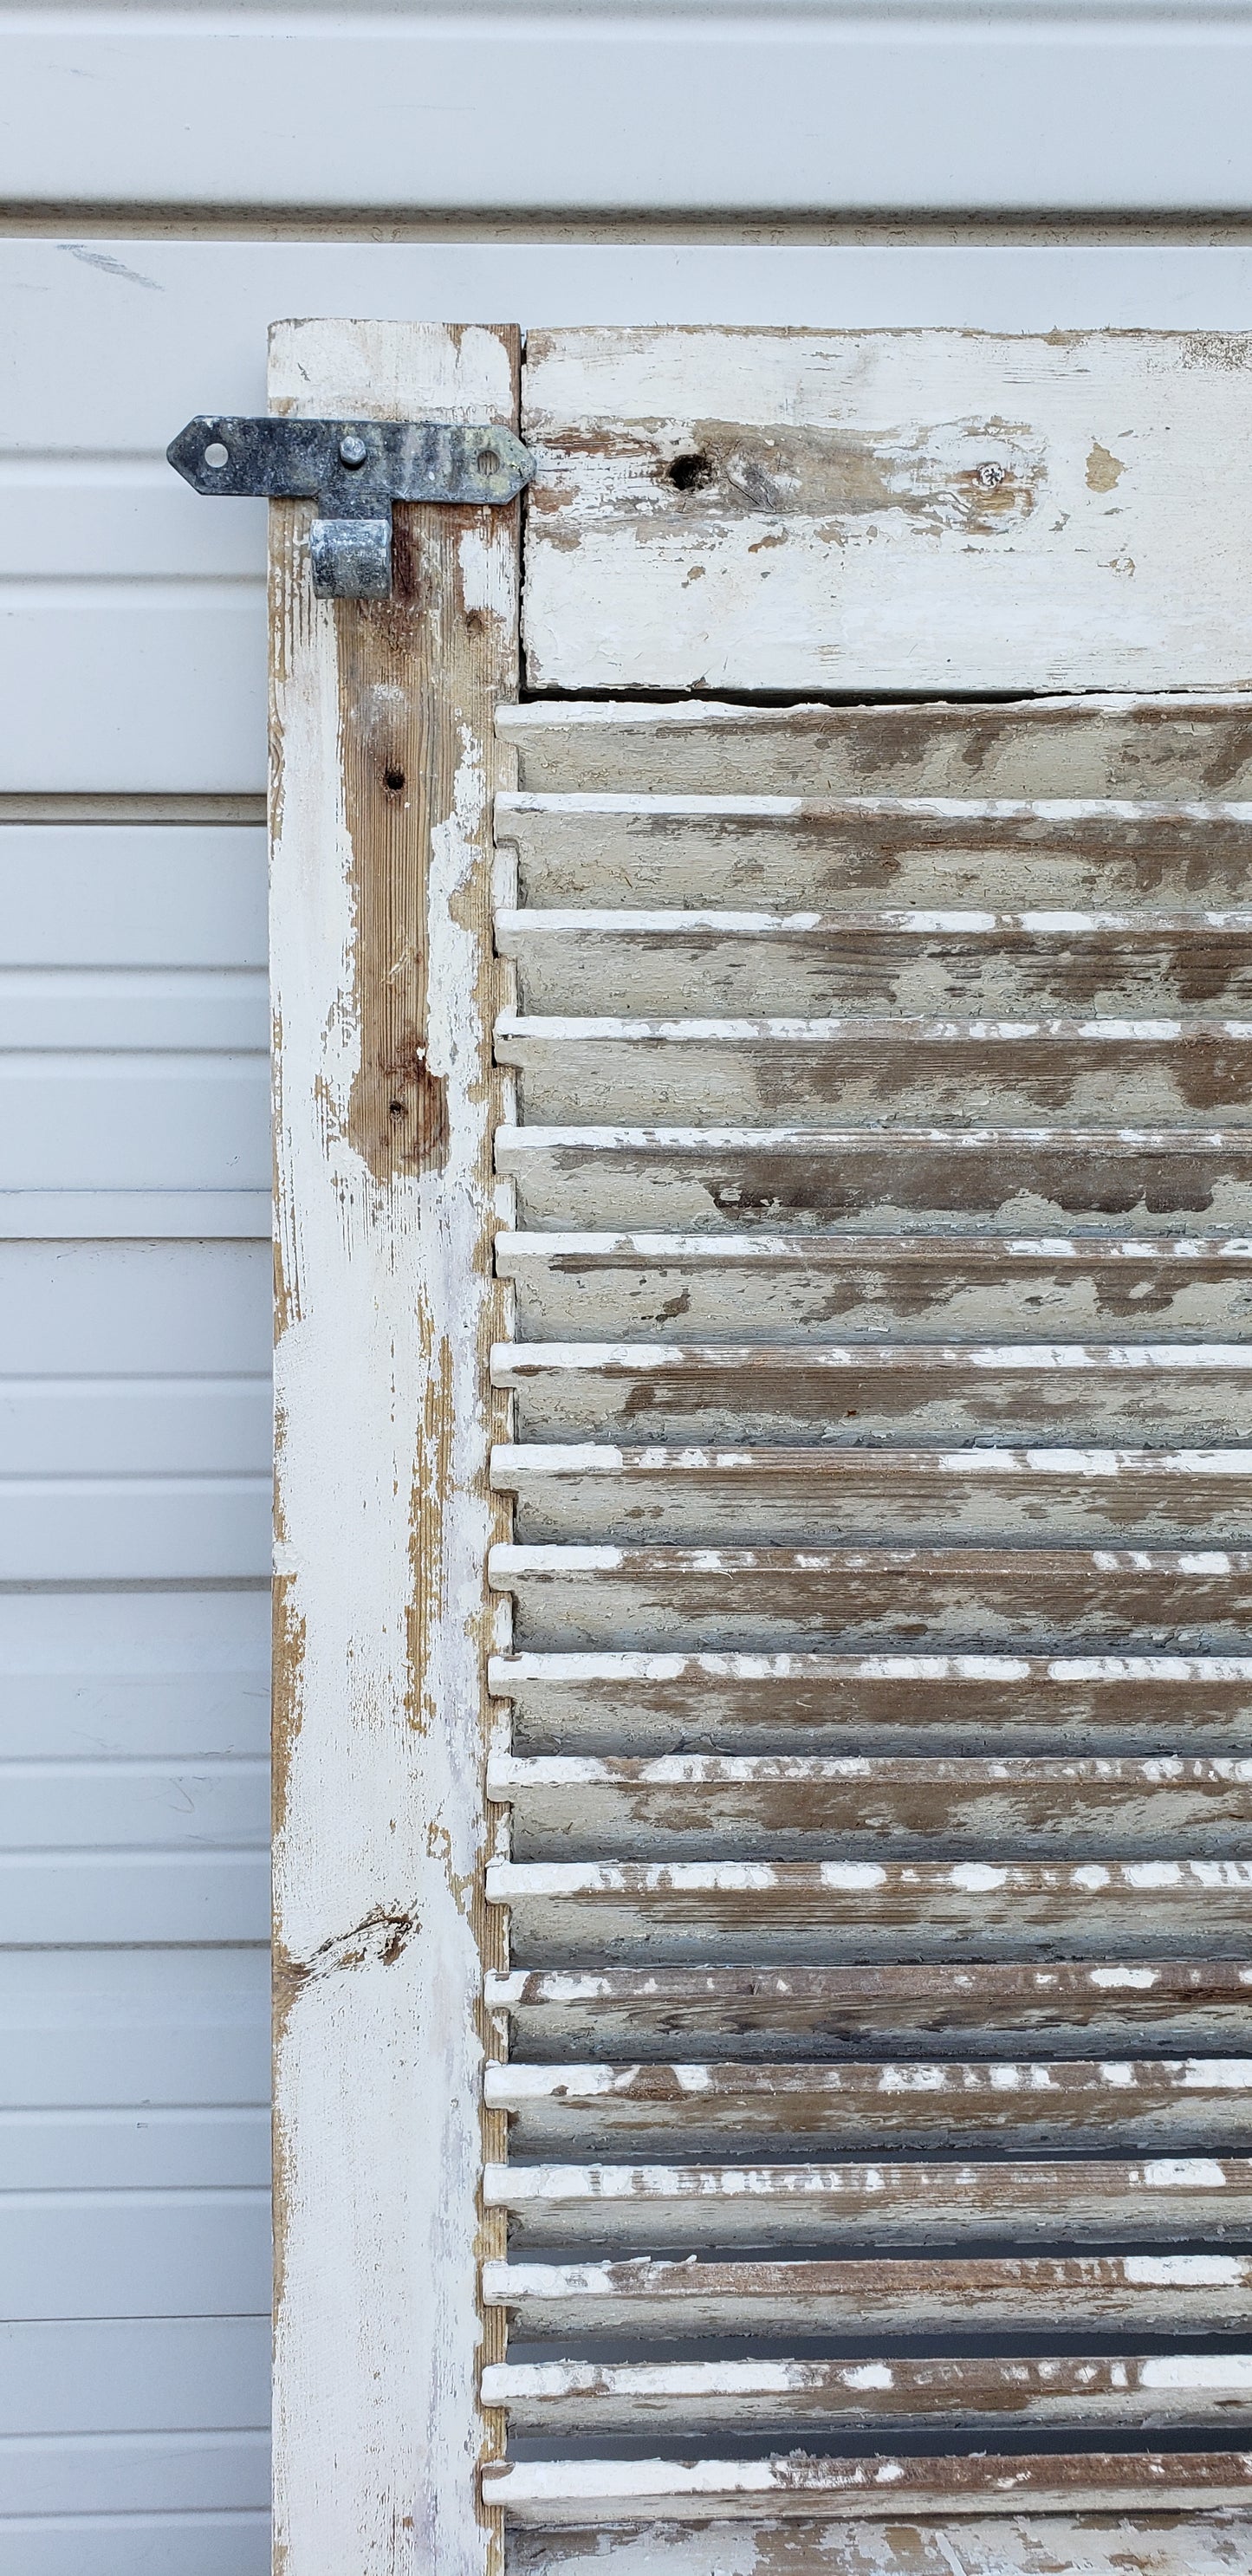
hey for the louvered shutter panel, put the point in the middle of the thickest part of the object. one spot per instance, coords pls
(762, 1856)
(872, 1766)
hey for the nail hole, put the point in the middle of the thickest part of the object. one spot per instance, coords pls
(394, 779)
(216, 456)
(690, 473)
(488, 462)
(397, 1109)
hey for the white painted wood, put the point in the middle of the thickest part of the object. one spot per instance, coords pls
(730, 1598)
(165, 672)
(384, 1299)
(789, 1705)
(826, 2398)
(900, 557)
(719, 113)
(608, 774)
(619, 2209)
(570, 1286)
(547, 2493)
(996, 2545)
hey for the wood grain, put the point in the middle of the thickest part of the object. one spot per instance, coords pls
(384, 988)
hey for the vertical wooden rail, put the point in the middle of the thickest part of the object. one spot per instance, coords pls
(383, 768)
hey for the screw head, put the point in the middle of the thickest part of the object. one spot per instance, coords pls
(352, 450)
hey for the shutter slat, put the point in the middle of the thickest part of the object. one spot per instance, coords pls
(669, 2491)
(1003, 2007)
(731, 1597)
(872, 1780)
(808, 2398)
(568, 1285)
(626, 2207)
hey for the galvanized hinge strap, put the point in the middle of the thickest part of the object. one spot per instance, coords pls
(354, 470)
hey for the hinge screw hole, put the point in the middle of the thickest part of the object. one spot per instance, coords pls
(216, 456)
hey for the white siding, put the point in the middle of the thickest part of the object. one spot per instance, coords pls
(133, 1158)
(134, 1543)
(632, 107)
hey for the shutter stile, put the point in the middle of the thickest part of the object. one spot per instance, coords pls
(873, 1772)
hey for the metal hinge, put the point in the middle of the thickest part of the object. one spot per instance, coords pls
(354, 470)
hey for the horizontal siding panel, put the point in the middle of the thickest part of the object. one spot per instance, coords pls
(135, 1529)
(105, 1896)
(137, 1806)
(153, 1215)
(148, 2472)
(164, 1674)
(80, 1008)
(108, 518)
(143, 2544)
(161, 2374)
(153, 2026)
(133, 894)
(140, 1122)
(140, 2150)
(471, 112)
(72, 1426)
(168, 689)
(124, 2254)
(126, 1309)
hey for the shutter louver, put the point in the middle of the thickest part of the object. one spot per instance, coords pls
(875, 1739)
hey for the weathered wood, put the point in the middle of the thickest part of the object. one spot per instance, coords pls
(742, 1072)
(772, 1911)
(385, 761)
(794, 851)
(1106, 1705)
(1047, 1179)
(692, 2108)
(1157, 1497)
(918, 1288)
(800, 2397)
(1092, 747)
(733, 1597)
(630, 2208)
(1138, 2293)
(1199, 2543)
(812, 964)
(854, 1392)
(781, 1806)
(1000, 2007)
(872, 510)
(552, 2493)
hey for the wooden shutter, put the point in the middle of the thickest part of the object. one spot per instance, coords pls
(846, 1924)
(874, 1744)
